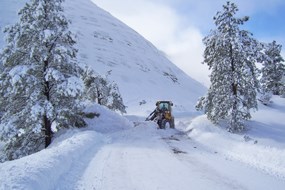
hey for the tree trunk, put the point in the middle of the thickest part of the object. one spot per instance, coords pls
(276, 90)
(99, 98)
(234, 91)
(234, 85)
(47, 121)
(48, 132)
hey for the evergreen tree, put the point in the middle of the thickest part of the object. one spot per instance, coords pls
(231, 54)
(272, 72)
(40, 80)
(116, 101)
(98, 89)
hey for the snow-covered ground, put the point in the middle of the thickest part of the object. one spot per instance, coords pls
(127, 153)
(262, 146)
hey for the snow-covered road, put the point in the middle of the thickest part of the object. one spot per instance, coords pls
(146, 158)
(143, 158)
(116, 153)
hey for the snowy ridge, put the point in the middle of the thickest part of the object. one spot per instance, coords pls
(106, 44)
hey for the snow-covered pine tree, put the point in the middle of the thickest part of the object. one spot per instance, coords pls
(99, 90)
(96, 88)
(116, 99)
(231, 54)
(272, 72)
(40, 79)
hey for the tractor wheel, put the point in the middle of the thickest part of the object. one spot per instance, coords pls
(163, 124)
(172, 124)
(159, 123)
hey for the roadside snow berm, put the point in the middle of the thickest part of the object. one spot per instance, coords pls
(162, 114)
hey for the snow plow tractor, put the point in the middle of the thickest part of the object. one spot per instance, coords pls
(162, 114)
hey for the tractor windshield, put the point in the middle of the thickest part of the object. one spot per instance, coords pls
(164, 106)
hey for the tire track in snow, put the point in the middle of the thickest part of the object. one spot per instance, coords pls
(140, 159)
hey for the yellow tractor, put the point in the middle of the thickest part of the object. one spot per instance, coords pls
(162, 114)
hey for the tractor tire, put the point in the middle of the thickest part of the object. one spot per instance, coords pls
(171, 123)
(163, 124)
(159, 123)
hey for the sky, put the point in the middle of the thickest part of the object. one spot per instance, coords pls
(177, 27)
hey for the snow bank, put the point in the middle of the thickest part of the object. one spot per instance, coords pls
(44, 169)
(258, 147)
(108, 121)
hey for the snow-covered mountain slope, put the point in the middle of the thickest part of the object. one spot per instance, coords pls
(141, 71)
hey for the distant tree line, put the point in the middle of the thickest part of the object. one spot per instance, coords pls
(232, 54)
(42, 87)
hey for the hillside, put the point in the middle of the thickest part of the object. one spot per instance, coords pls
(106, 44)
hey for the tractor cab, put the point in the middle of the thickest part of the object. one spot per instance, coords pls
(164, 105)
(162, 114)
